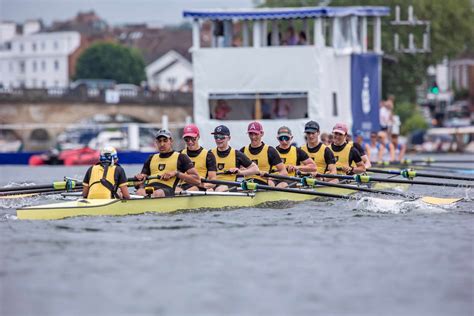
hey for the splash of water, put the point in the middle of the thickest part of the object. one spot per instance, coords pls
(391, 206)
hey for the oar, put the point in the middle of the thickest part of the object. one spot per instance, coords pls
(433, 160)
(312, 181)
(306, 181)
(57, 185)
(366, 179)
(410, 174)
(247, 185)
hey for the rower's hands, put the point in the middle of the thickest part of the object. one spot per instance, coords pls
(170, 174)
(234, 171)
(346, 169)
(141, 176)
(291, 168)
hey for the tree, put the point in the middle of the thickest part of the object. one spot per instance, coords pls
(452, 26)
(111, 61)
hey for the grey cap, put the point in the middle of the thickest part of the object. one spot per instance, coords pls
(311, 127)
(163, 133)
(284, 131)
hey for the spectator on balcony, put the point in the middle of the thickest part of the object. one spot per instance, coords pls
(221, 110)
(291, 38)
(302, 40)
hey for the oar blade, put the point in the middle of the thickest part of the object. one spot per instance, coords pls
(439, 201)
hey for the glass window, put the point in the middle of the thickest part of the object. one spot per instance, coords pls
(34, 66)
(22, 48)
(334, 104)
(56, 65)
(266, 106)
(55, 45)
(43, 65)
(33, 47)
(22, 67)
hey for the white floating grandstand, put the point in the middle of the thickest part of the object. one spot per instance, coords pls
(285, 66)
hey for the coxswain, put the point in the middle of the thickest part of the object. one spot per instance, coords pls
(294, 158)
(230, 163)
(348, 159)
(104, 179)
(318, 151)
(265, 157)
(203, 160)
(170, 167)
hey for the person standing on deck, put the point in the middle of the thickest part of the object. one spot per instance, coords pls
(203, 160)
(348, 159)
(319, 152)
(265, 157)
(374, 149)
(294, 158)
(104, 178)
(230, 163)
(397, 150)
(169, 165)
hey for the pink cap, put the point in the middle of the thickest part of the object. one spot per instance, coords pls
(255, 127)
(340, 128)
(190, 130)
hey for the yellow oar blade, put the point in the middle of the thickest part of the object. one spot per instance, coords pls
(439, 201)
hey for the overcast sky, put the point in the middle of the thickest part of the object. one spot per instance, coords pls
(157, 12)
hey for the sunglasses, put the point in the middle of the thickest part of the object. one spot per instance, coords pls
(219, 136)
(190, 139)
(284, 138)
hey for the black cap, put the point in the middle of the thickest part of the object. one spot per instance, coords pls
(221, 130)
(311, 127)
(163, 133)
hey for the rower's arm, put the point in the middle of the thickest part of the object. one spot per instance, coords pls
(401, 155)
(359, 168)
(308, 165)
(250, 171)
(281, 169)
(85, 190)
(366, 161)
(191, 176)
(125, 193)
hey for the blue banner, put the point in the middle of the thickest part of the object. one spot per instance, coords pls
(365, 93)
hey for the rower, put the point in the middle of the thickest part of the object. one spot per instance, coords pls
(358, 143)
(348, 159)
(169, 165)
(203, 160)
(294, 158)
(319, 152)
(374, 149)
(265, 157)
(397, 149)
(104, 178)
(230, 162)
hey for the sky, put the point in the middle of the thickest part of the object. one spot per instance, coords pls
(154, 12)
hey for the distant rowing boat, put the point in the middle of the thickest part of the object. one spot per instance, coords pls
(189, 202)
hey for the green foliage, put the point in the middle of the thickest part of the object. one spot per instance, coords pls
(452, 29)
(111, 61)
(410, 117)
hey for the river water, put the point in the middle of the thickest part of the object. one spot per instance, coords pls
(375, 257)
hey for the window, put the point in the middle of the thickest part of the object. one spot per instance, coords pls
(334, 104)
(22, 67)
(35, 66)
(43, 65)
(43, 46)
(33, 47)
(33, 83)
(56, 65)
(55, 45)
(250, 106)
(43, 83)
(10, 66)
(22, 48)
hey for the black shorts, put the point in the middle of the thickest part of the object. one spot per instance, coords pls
(160, 186)
(186, 186)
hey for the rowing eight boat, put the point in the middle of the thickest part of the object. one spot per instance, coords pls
(188, 202)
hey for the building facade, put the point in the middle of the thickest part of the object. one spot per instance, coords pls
(38, 60)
